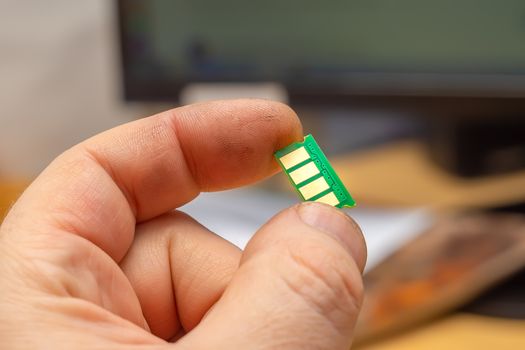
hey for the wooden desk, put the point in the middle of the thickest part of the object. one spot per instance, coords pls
(458, 331)
(401, 174)
(9, 192)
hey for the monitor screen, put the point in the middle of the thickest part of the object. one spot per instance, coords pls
(337, 47)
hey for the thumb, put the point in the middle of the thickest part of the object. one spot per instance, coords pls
(298, 286)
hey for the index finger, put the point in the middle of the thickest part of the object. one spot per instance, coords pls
(101, 187)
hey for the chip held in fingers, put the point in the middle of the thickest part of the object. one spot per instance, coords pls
(312, 175)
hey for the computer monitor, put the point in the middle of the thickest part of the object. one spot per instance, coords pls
(454, 58)
(326, 49)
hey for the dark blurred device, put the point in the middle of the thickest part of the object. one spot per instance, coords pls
(503, 300)
(460, 64)
(479, 145)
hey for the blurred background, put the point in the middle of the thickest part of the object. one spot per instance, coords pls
(420, 105)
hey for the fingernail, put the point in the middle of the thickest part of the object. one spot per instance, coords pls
(336, 224)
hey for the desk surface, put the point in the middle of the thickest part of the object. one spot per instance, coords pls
(401, 174)
(458, 331)
(9, 191)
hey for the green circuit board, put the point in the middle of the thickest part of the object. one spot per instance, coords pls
(312, 175)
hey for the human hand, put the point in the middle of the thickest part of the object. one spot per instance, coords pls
(93, 256)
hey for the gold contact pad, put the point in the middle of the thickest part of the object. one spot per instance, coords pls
(314, 188)
(329, 199)
(295, 157)
(304, 173)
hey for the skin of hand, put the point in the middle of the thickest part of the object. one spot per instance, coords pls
(94, 254)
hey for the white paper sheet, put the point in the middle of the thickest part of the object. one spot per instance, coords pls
(236, 215)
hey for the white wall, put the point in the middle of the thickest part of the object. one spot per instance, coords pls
(58, 79)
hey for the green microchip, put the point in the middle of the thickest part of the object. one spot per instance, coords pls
(312, 175)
